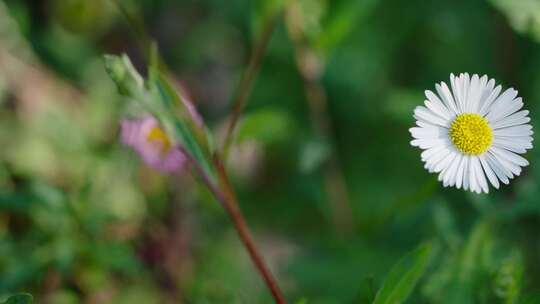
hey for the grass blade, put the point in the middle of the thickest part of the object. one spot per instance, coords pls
(403, 277)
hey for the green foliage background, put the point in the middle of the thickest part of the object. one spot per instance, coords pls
(83, 221)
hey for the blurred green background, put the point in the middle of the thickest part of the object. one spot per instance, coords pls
(322, 163)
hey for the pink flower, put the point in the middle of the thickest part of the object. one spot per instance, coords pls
(148, 139)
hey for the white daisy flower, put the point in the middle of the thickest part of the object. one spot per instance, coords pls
(472, 133)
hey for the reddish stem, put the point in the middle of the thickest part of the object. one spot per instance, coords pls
(226, 196)
(230, 203)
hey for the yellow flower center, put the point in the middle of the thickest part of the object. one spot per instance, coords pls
(158, 136)
(471, 134)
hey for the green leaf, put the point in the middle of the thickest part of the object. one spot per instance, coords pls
(461, 268)
(177, 121)
(21, 298)
(341, 23)
(403, 277)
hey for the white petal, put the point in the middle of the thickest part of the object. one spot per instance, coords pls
(423, 124)
(438, 153)
(427, 143)
(480, 177)
(505, 110)
(429, 132)
(444, 163)
(489, 86)
(444, 175)
(486, 92)
(466, 173)
(505, 98)
(512, 157)
(489, 172)
(521, 130)
(455, 83)
(465, 83)
(422, 113)
(472, 176)
(510, 147)
(499, 170)
(426, 154)
(511, 121)
(435, 104)
(475, 90)
(514, 142)
(444, 172)
(447, 98)
(489, 100)
(506, 164)
(460, 170)
(433, 161)
(438, 109)
(473, 173)
(450, 175)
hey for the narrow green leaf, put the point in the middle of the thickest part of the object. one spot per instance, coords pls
(403, 277)
(193, 138)
(21, 298)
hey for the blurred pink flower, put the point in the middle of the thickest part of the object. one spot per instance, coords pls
(148, 139)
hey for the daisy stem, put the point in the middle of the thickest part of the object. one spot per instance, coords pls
(225, 194)
(246, 82)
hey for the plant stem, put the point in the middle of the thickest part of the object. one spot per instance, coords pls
(227, 198)
(230, 203)
(246, 83)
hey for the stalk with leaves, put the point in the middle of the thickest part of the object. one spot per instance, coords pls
(156, 97)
